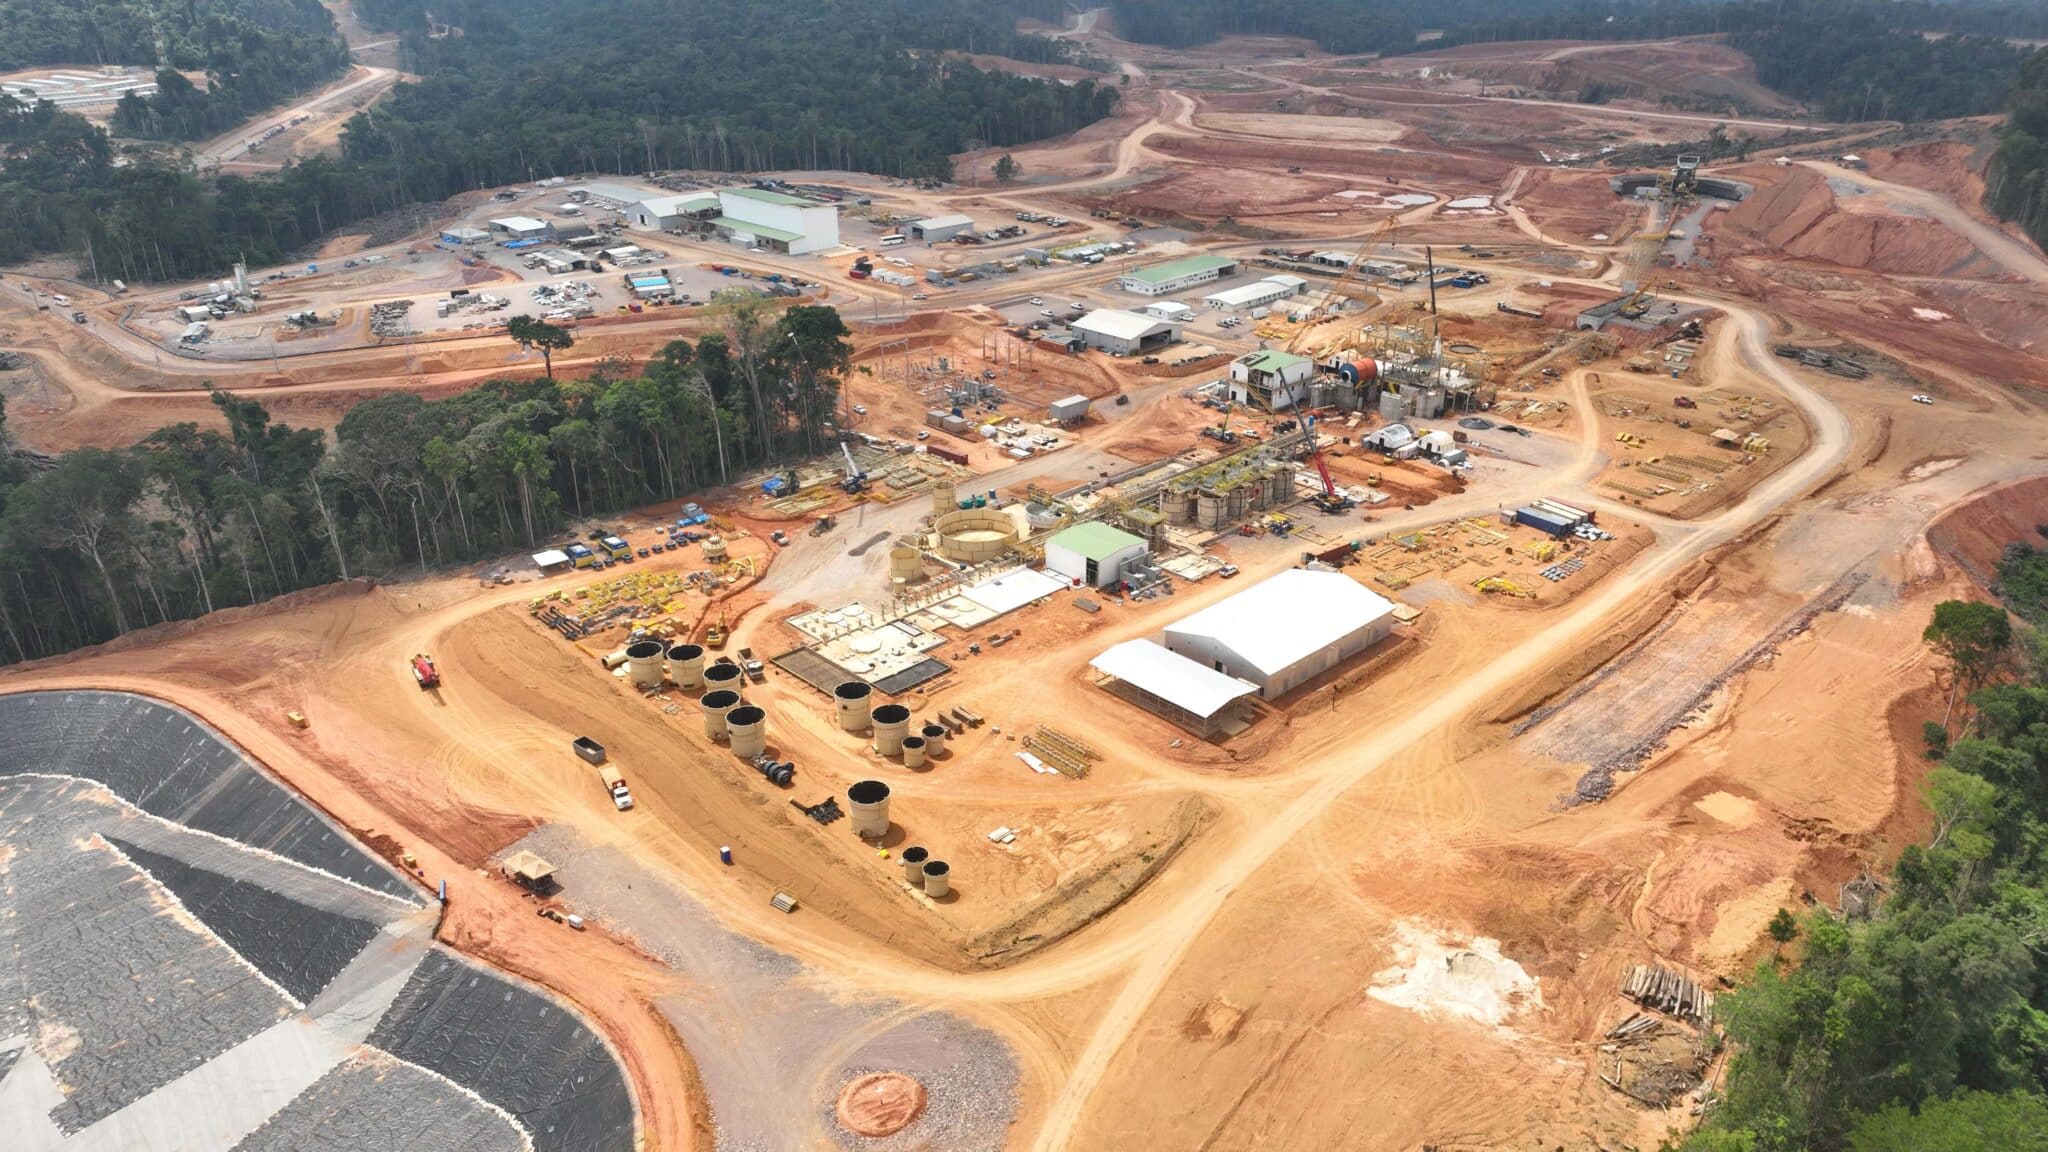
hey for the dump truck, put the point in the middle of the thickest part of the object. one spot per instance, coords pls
(615, 783)
(423, 670)
(752, 665)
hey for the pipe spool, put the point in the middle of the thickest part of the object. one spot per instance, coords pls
(934, 739)
(913, 865)
(747, 727)
(938, 878)
(612, 659)
(716, 705)
(852, 700)
(686, 665)
(643, 663)
(867, 805)
(778, 774)
(913, 751)
(892, 724)
(723, 674)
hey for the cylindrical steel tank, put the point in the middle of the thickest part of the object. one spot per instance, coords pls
(913, 865)
(722, 675)
(943, 500)
(747, 728)
(613, 659)
(686, 665)
(906, 564)
(715, 706)
(643, 663)
(714, 548)
(938, 878)
(913, 751)
(852, 700)
(934, 738)
(892, 724)
(867, 805)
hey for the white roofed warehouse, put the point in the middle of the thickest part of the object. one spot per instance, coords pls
(777, 221)
(1176, 275)
(1283, 632)
(1125, 333)
(1093, 555)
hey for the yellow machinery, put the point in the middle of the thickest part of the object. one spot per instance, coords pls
(715, 634)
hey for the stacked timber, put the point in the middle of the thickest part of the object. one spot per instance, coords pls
(1655, 986)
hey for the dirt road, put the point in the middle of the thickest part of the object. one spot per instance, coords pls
(2013, 254)
(234, 144)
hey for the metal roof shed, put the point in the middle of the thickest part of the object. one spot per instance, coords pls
(1284, 631)
(1174, 686)
(1093, 554)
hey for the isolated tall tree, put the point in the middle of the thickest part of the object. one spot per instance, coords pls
(530, 334)
(1007, 169)
(1974, 637)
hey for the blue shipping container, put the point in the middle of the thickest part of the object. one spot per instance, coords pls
(1542, 521)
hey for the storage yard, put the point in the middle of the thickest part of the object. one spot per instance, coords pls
(1428, 587)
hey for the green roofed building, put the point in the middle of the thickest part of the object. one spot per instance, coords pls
(1093, 555)
(1177, 275)
(776, 221)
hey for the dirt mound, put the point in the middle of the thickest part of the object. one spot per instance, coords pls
(880, 1104)
(1953, 168)
(1976, 534)
(1800, 215)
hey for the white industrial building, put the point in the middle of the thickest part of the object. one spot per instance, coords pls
(1177, 275)
(1257, 294)
(1093, 555)
(1192, 695)
(1172, 310)
(1125, 333)
(1270, 379)
(663, 213)
(1283, 632)
(935, 229)
(777, 221)
(520, 227)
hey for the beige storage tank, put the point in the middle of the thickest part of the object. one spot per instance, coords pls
(943, 500)
(716, 705)
(613, 659)
(934, 738)
(913, 865)
(938, 878)
(852, 700)
(867, 804)
(747, 727)
(913, 751)
(643, 663)
(906, 565)
(724, 674)
(892, 724)
(714, 548)
(975, 535)
(686, 665)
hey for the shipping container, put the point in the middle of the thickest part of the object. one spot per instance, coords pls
(955, 455)
(1543, 521)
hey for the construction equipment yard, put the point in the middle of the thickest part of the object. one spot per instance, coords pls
(933, 789)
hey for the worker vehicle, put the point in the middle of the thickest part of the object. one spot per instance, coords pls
(1227, 571)
(779, 536)
(824, 524)
(860, 409)
(752, 666)
(588, 749)
(580, 556)
(78, 317)
(1922, 399)
(615, 783)
(1685, 402)
(715, 633)
(616, 548)
(423, 670)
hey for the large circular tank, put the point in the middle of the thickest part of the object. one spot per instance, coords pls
(938, 878)
(1042, 516)
(852, 700)
(747, 727)
(643, 663)
(716, 705)
(867, 804)
(714, 548)
(722, 675)
(686, 665)
(975, 535)
(934, 738)
(913, 751)
(892, 724)
(913, 865)
(906, 564)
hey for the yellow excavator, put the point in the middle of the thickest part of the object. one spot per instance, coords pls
(715, 634)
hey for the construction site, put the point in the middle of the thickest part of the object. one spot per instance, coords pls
(1342, 514)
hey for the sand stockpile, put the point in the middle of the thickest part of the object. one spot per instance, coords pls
(880, 1104)
(1436, 978)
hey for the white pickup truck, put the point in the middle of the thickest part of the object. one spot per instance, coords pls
(615, 783)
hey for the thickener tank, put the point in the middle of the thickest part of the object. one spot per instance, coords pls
(934, 738)
(722, 675)
(851, 698)
(686, 665)
(715, 706)
(938, 878)
(643, 663)
(913, 865)
(913, 751)
(747, 728)
(867, 805)
(892, 724)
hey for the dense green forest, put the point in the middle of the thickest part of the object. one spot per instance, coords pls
(253, 53)
(191, 519)
(2016, 182)
(532, 88)
(1925, 1027)
(1335, 27)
